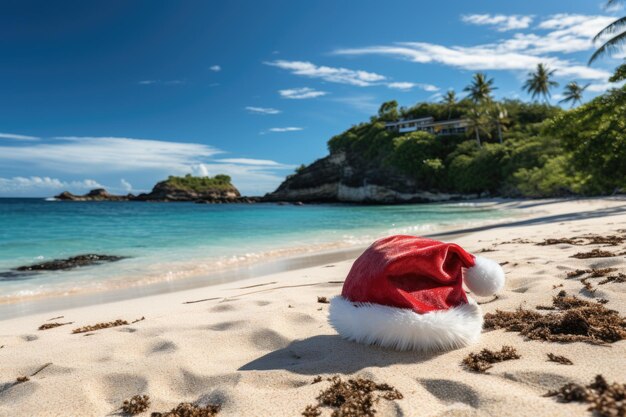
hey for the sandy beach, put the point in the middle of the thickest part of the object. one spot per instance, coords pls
(255, 346)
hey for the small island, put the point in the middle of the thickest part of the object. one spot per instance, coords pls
(209, 190)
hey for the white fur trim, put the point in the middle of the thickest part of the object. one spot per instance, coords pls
(485, 278)
(404, 329)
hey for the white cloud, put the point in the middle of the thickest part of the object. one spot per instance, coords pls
(145, 159)
(34, 184)
(563, 34)
(406, 86)
(301, 93)
(126, 185)
(285, 129)
(87, 154)
(602, 87)
(502, 23)
(215, 68)
(477, 58)
(13, 136)
(262, 110)
(336, 75)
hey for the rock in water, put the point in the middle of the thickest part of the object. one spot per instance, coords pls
(70, 263)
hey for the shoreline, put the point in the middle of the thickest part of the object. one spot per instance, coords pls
(255, 345)
(262, 268)
(251, 268)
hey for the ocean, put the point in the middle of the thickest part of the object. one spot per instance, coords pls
(166, 242)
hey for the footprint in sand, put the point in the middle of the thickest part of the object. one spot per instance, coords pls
(300, 318)
(227, 325)
(267, 339)
(164, 346)
(542, 381)
(450, 392)
(223, 307)
(117, 386)
(195, 384)
(30, 337)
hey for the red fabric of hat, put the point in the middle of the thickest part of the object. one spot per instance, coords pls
(409, 272)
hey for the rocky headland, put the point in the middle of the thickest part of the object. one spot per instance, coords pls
(206, 190)
(347, 177)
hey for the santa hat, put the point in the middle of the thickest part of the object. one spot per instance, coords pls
(406, 292)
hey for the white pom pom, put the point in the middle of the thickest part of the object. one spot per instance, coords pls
(485, 278)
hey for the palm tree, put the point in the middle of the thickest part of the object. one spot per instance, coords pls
(617, 33)
(480, 89)
(499, 117)
(539, 82)
(477, 122)
(573, 93)
(449, 100)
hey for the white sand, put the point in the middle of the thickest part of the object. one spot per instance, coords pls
(257, 346)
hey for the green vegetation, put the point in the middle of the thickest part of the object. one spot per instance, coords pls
(511, 148)
(200, 184)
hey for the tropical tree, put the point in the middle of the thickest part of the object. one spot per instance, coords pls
(573, 93)
(616, 32)
(477, 122)
(619, 75)
(480, 89)
(540, 82)
(449, 101)
(500, 118)
(388, 111)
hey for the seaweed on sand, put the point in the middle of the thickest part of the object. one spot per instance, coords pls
(604, 399)
(559, 359)
(323, 300)
(100, 326)
(47, 326)
(595, 253)
(573, 320)
(480, 362)
(614, 278)
(137, 404)
(190, 410)
(351, 398)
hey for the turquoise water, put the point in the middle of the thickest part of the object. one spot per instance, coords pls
(167, 241)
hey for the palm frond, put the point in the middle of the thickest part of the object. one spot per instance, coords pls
(611, 45)
(614, 27)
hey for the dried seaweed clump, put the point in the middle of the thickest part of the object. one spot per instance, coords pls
(574, 320)
(322, 300)
(480, 362)
(47, 326)
(137, 404)
(190, 410)
(560, 240)
(617, 279)
(21, 379)
(352, 398)
(100, 326)
(559, 359)
(596, 253)
(610, 240)
(606, 400)
(594, 273)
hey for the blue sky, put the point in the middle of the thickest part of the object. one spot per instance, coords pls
(122, 93)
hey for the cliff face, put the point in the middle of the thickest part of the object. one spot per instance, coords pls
(345, 178)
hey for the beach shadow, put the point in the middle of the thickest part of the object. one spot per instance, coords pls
(555, 218)
(329, 354)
